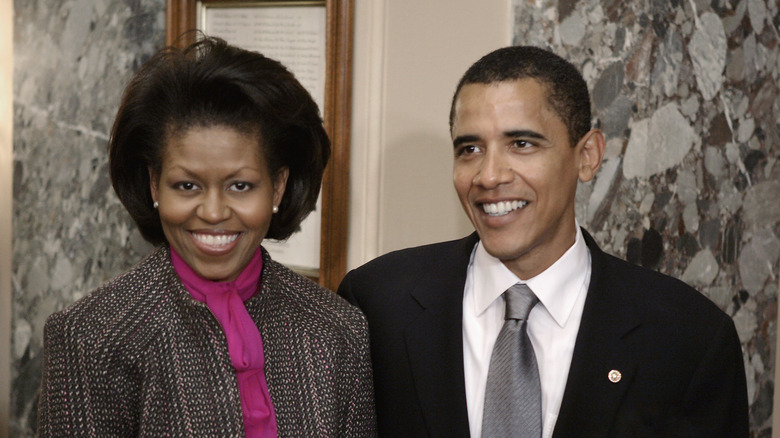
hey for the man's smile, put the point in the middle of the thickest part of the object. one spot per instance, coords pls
(502, 207)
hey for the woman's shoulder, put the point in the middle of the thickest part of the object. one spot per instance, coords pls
(308, 299)
(117, 298)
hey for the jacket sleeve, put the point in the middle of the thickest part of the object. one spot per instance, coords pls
(361, 410)
(715, 403)
(74, 398)
(48, 381)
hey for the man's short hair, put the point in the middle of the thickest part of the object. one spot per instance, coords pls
(567, 92)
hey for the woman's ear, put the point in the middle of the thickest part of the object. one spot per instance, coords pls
(591, 152)
(154, 183)
(280, 184)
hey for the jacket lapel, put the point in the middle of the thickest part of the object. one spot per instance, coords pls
(434, 342)
(594, 390)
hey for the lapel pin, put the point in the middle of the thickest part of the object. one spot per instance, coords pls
(614, 376)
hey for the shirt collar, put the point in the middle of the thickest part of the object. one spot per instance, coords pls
(557, 287)
(200, 287)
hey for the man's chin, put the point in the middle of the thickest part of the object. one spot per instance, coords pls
(502, 251)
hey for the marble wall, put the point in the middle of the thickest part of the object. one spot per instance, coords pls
(687, 94)
(71, 61)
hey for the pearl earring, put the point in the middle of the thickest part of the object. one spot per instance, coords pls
(156, 204)
(275, 209)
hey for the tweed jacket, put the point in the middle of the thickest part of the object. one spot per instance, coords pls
(140, 357)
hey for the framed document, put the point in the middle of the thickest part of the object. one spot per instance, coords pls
(313, 38)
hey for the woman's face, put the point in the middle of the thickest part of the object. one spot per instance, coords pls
(216, 198)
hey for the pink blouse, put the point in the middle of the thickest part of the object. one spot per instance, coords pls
(245, 345)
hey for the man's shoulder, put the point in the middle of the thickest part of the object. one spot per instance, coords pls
(424, 258)
(652, 291)
(387, 280)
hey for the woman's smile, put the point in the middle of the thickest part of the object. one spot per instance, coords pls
(219, 242)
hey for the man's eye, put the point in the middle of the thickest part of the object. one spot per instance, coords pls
(521, 144)
(524, 144)
(467, 150)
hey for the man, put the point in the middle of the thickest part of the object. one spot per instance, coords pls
(620, 351)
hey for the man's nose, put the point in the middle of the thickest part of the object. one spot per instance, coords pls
(494, 170)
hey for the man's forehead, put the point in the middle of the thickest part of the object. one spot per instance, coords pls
(525, 97)
(505, 88)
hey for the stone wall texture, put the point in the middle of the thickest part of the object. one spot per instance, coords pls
(72, 59)
(686, 92)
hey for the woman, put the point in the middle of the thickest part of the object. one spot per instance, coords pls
(213, 149)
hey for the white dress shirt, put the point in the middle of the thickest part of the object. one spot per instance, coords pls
(552, 325)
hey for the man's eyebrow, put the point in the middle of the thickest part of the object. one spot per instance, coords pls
(464, 139)
(524, 133)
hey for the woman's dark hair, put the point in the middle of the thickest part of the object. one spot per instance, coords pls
(211, 83)
(567, 92)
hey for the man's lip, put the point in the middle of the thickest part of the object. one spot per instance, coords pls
(501, 207)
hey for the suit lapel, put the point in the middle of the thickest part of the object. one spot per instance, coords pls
(593, 390)
(434, 342)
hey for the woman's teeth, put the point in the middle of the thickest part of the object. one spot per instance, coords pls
(503, 207)
(215, 240)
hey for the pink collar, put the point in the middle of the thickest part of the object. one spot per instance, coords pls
(226, 299)
(200, 288)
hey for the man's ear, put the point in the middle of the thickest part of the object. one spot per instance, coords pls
(591, 152)
(154, 183)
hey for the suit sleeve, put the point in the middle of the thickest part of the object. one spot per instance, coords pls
(345, 290)
(716, 400)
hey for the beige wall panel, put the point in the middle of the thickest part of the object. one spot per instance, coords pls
(409, 56)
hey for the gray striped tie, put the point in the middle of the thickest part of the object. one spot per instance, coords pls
(513, 396)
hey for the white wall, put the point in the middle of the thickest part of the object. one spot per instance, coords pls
(409, 56)
(6, 194)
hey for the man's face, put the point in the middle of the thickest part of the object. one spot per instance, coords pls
(516, 173)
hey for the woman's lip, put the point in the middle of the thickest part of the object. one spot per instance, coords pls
(215, 243)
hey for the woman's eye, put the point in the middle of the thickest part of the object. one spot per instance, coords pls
(240, 186)
(186, 186)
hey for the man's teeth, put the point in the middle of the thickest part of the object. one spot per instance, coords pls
(503, 207)
(215, 240)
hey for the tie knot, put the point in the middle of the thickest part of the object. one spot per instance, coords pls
(520, 299)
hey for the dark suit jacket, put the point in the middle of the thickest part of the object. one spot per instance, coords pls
(679, 355)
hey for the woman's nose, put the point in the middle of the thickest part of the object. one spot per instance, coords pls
(214, 208)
